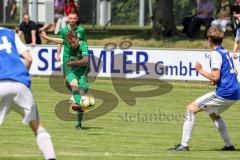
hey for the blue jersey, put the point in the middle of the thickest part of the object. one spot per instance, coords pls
(11, 65)
(227, 86)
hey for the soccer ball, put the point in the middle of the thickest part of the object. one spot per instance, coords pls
(87, 102)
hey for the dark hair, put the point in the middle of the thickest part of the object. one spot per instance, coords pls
(216, 41)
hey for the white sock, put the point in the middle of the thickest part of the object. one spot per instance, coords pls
(44, 143)
(187, 128)
(223, 131)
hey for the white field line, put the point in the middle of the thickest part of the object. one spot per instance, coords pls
(107, 154)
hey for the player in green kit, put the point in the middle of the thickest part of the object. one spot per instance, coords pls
(75, 61)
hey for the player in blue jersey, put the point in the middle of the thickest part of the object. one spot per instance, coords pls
(15, 92)
(224, 76)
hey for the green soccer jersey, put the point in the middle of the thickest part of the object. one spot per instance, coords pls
(68, 52)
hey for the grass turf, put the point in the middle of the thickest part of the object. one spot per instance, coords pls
(127, 132)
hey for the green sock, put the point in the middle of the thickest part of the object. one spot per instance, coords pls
(76, 96)
(79, 117)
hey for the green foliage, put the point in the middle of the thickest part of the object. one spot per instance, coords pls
(181, 9)
(128, 14)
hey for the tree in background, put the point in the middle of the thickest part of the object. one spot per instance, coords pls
(163, 19)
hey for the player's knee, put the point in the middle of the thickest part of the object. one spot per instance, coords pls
(192, 107)
(35, 124)
(74, 85)
(189, 108)
(214, 116)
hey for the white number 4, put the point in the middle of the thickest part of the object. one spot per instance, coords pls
(6, 45)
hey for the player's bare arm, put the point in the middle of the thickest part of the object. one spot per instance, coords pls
(27, 59)
(59, 49)
(235, 47)
(33, 37)
(55, 40)
(19, 33)
(214, 75)
(80, 63)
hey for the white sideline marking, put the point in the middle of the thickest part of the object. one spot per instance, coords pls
(107, 154)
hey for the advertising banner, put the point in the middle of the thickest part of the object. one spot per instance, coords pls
(172, 64)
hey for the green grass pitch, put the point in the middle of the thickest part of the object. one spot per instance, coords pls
(127, 132)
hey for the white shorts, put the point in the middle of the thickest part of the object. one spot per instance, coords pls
(16, 96)
(212, 103)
